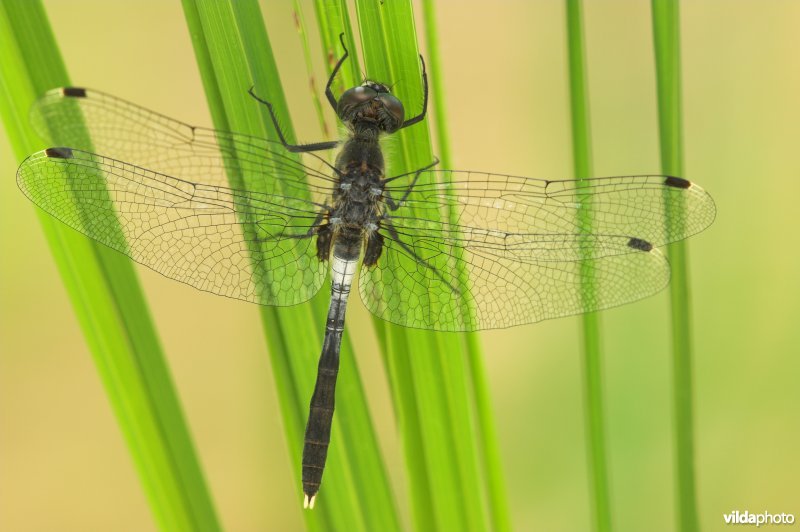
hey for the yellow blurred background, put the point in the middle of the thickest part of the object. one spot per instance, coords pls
(63, 462)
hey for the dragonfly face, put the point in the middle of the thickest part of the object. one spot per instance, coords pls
(370, 106)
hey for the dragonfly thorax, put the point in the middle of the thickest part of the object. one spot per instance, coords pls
(358, 199)
(358, 207)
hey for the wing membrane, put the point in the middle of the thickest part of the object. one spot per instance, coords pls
(490, 208)
(240, 244)
(413, 284)
(469, 251)
(464, 251)
(128, 132)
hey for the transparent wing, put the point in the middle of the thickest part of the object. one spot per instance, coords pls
(128, 132)
(413, 285)
(498, 208)
(490, 251)
(240, 244)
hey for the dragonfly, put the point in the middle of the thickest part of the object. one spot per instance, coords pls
(248, 218)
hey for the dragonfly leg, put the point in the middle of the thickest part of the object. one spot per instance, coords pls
(294, 148)
(314, 229)
(328, 91)
(421, 116)
(396, 205)
(393, 234)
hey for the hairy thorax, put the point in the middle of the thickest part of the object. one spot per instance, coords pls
(354, 217)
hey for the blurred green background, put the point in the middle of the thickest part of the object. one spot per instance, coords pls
(63, 463)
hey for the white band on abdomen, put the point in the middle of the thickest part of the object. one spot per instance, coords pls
(342, 272)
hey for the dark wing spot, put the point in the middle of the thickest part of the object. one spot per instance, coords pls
(59, 153)
(677, 182)
(74, 92)
(639, 244)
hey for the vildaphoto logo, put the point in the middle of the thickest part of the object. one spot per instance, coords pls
(764, 518)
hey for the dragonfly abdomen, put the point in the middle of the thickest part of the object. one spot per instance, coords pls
(344, 264)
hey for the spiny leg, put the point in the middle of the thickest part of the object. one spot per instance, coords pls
(421, 116)
(395, 236)
(314, 229)
(396, 205)
(328, 91)
(294, 148)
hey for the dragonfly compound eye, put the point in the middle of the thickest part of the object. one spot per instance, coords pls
(390, 117)
(371, 104)
(352, 100)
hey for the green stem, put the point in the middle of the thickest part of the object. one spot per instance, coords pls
(233, 53)
(107, 299)
(592, 353)
(487, 434)
(316, 91)
(666, 35)
(430, 379)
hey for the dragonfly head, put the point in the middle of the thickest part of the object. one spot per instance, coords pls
(370, 106)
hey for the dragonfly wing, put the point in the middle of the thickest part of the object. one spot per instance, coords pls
(240, 244)
(101, 123)
(657, 209)
(469, 251)
(439, 284)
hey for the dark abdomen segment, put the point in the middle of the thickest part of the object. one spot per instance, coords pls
(320, 417)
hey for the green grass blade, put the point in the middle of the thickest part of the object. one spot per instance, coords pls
(666, 33)
(592, 353)
(333, 19)
(437, 87)
(487, 434)
(107, 299)
(316, 91)
(233, 53)
(430, 379)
